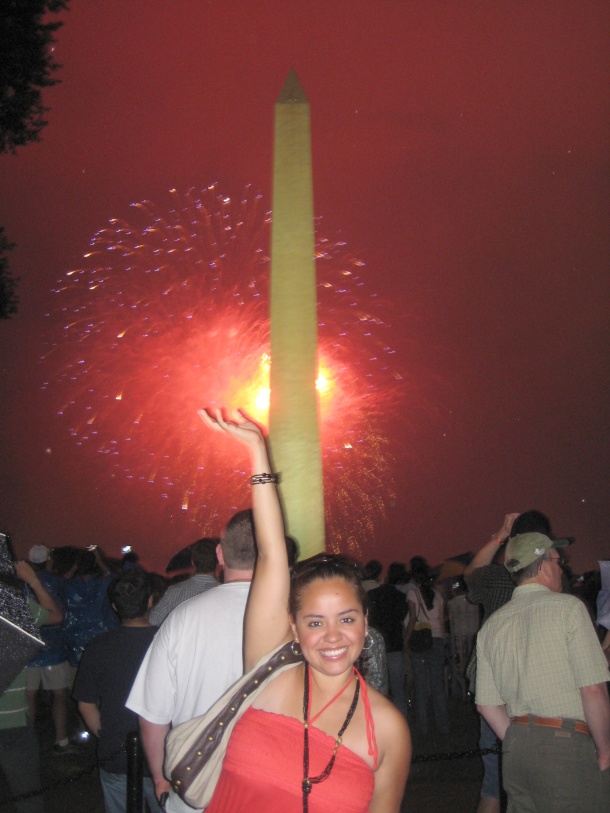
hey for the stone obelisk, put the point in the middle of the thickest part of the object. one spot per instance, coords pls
(293, 414)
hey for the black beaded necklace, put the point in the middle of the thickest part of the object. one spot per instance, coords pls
(308, 781)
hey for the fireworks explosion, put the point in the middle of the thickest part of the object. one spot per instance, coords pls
(169, 313)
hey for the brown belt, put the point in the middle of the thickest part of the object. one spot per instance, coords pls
(553, 722)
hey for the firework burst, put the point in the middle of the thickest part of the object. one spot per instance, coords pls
(169, 313)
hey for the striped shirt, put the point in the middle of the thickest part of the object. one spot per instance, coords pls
(178, 593)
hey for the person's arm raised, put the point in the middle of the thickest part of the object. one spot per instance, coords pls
(266, 623)
(26, 572)
(486, 554)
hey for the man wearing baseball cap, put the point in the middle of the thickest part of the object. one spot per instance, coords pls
(39, 554)
(541, 686)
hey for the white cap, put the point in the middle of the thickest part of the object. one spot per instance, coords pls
(39, 554)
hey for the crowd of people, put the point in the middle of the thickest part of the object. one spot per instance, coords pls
(331, 660)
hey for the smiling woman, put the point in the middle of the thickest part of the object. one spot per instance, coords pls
(329, 624)
(356, 757)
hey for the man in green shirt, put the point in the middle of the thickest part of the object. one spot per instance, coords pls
(541, 686)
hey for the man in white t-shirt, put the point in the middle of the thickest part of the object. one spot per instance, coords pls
(196, 655)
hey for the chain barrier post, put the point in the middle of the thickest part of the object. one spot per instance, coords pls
(135, 762)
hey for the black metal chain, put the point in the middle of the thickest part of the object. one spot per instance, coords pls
(60, 783)
(475, 752)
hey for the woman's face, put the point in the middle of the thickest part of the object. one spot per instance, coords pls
(330, 625)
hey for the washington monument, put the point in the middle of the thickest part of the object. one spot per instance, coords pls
(293, 414)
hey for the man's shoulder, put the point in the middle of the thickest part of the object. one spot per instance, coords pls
(198, 581)
(174, 588)
(224, 595)
(131, 634)
(178, 587)
(532, 599)
(539, 593)
(232, 591)
(561, 602)
(104, 641)
(204, 578)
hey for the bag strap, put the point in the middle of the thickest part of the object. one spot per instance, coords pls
(421, 605)
(226, 711)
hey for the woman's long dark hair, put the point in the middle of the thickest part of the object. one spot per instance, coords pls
(423, 578)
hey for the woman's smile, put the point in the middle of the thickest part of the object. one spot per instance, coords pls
(330, 625)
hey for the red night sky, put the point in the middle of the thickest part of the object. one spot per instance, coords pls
(460, 149)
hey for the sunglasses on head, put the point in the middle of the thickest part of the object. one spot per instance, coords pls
(327, 562)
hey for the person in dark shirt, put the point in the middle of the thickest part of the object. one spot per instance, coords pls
(106, 672)
(387, 611)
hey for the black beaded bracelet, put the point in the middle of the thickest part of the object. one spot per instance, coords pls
(265, 477)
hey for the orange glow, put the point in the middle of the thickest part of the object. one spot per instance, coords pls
(323, 381)
(255, 396)
(177, 321)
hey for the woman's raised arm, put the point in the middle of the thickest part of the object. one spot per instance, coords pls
(266, 624)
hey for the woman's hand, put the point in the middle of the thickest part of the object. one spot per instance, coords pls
(266, 623)
(242, 428)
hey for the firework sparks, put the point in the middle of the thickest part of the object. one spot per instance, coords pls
(169, 313)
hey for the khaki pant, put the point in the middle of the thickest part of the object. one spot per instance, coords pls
(552, 770)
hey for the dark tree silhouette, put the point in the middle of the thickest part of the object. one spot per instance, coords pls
(26, 67)
(8, 286)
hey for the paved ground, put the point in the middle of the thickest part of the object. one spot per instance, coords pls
(442, 785)
(434, 786)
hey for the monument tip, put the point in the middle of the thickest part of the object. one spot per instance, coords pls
(292, 92)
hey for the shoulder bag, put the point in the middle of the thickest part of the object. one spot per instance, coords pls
(195, 749)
